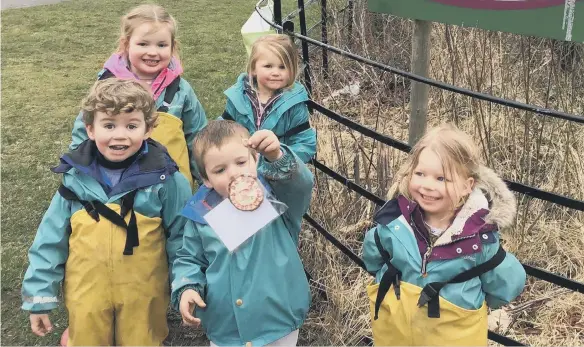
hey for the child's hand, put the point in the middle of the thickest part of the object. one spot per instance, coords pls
(188, 300)
(40, 324)
(267, 144)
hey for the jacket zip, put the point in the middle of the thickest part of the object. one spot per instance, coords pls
(425, 260)
(266, 116)
(430, 247)
(262, 117)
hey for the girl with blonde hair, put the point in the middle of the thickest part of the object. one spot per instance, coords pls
(437, 244)
(267, 96)
(148, 52)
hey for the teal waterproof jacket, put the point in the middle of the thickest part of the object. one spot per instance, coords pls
(471, 239)
(288, 117)
(185, 105)
(258, 293)
(161, 192)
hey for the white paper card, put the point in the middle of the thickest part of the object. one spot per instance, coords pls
(234, 226)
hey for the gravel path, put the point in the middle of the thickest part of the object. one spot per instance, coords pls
(26, 3)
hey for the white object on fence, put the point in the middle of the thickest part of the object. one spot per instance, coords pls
(255, 27)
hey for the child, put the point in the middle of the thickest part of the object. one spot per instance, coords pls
(443, 221)
(148, 52)
(257, 294)
(113, 227)
(268, 97)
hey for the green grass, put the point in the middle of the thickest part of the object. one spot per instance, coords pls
(50, 57)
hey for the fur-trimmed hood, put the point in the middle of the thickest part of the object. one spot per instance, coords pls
(489, 207)
(502, 202)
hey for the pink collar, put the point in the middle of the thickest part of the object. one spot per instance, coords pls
(118, 65)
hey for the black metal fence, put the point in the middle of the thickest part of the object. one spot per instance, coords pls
(534, 192)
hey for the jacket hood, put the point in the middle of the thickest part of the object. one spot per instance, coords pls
(151, 166)
(502, 202)
(490, 206)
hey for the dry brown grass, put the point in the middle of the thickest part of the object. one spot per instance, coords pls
(532, 149)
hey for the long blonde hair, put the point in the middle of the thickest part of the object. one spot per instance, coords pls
(456, 150)
(282, 47)
(149, 13)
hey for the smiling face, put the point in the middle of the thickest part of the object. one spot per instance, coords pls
(149, 50)
(437, 192)
(119, 136)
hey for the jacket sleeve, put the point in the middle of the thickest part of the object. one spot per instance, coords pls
(292, 183)
(303, 143)
(194, 119)
(505, 282)
(174, 195)
(371, 256)
(47, 257)
(78, 134)
(229, 111)
(188, 270)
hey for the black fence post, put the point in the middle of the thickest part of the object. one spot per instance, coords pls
(278, 12)
(323, 15)
(305, 60)
(288, 27)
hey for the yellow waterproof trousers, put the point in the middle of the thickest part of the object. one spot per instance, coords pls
(403, 323)
(111, 298)
(169, 132)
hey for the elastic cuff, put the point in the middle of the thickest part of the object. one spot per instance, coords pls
(188, 286)
(282, 168)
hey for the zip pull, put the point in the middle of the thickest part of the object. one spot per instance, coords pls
(260, 114)
(425, 261)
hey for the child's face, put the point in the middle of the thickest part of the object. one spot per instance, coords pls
(270, 72)
(149, 50)
(434, 190)
(118, 136)
(223, 164)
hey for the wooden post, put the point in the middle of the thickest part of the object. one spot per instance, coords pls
(324, 35)
(350, 36)
(419, 91)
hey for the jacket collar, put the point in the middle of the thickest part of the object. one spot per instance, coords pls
(490, 207)
(152, 166)
(290, 97)
(468, 220)
(118, 65)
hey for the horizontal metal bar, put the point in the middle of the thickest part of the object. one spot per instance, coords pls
(435, 83)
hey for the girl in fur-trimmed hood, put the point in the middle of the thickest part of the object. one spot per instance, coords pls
(437, 245)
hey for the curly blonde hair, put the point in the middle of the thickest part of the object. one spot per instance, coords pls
(114, 96)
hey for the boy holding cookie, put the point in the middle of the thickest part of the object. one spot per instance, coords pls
(258, 294)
